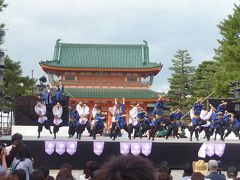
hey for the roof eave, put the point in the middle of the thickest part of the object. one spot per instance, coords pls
(156, 68)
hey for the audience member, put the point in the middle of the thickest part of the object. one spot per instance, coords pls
(89, 169)
(200, 166)
(64, 174)
(45, 171)
(20, 174)
(37, 175)
(23, 161)
(128, 167)
(3, 163)
(197, 176)
(8, 178)
(164, 168)
(68, 166)
(187, 171)
(213, 169)
(13, 149)
(232, 173)
(162, 176)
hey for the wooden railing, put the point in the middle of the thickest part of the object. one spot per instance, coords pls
(122, 84)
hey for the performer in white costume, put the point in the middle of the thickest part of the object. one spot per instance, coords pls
(57, 121)
(83, 112)
(112, 111)
(133, 121)
(41, 109)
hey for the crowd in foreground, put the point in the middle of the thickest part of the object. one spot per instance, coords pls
(17, 164)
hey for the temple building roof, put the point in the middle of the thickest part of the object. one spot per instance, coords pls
(103, 56)
(111, 93)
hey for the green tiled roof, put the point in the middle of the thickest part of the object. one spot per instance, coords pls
(101, 56)
(111, 93)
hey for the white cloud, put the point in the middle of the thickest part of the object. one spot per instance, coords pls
(34, 26)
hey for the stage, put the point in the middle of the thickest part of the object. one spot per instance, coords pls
(176, 151)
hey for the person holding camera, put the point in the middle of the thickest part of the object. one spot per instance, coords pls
(3, 162)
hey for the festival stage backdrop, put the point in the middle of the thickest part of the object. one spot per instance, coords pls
(25, 115)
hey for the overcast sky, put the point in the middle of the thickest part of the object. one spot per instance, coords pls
(167, 25)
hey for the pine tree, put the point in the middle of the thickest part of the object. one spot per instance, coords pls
(228, 53)
(15, 83)
(203, 79)
(180, 82)
(2, 6)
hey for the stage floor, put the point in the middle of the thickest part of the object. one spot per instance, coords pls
(124, 139)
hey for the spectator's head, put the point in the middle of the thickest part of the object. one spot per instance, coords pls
(68, 166)
(50, 178)
(162, 176)
(37, 175)
(164, 168)
(200, 166)
(64, 174)
(17, 139)
(232, 172)
(23, 153)
(20, 174)
(128, 167)
(45, 171)
(187, 169)
(212, 165)
(8, 178)
(89, 168)
(197, 176)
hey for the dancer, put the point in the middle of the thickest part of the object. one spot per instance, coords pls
(220, 123)
(72, 123)
(205, 124)
(222, 107)
(172, 127)
(133, 121)
(112, 111)
(120, 105)
(158, 123)
(48, 96)
(57, 121)
(146, 126)
(40, 109)
(83, 112)
(48, 100)
(120, 123)
(233, 126)
(98, 124)
(198, 106)
(195, 122)
(141, 122)
(161, 103)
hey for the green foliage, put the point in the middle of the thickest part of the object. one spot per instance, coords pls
(181, 79)
(2, 6)
(228, 53)
(203, 79)
(15, 83)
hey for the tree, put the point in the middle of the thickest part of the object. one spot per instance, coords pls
(203, 79)
(181, 79)
(2, 6)
(15, 83)
(228, 53)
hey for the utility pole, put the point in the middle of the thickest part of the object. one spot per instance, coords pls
(32, 82)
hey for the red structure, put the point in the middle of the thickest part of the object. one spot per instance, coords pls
(98, 73)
